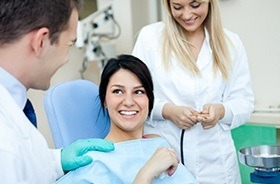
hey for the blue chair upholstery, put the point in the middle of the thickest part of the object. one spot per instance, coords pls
(74, 112)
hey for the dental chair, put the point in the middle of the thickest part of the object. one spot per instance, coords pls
(74, 112)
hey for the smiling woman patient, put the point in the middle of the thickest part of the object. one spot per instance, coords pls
(126, 91)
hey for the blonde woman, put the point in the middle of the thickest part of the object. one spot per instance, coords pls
(202, 86)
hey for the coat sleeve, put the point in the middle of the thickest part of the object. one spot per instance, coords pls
(58, 172)
(142, 47)
(238, 98)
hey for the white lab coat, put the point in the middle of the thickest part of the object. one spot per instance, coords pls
(24, 153)
(208, 154)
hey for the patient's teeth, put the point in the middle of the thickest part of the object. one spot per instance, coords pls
(128, 112)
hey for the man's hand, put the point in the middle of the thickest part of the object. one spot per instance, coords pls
(72, 156)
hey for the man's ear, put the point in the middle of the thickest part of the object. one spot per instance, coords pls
(40, 40)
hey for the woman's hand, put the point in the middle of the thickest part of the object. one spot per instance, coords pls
(210, 115)
(163, 160)
(184, 117)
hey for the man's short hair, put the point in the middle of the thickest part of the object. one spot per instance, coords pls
(19, 17)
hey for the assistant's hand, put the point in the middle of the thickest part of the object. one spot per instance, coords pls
(163, 160)
(72, 156)
(212, 113)
(184, 117)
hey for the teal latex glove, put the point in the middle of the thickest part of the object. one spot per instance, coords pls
(72, 156)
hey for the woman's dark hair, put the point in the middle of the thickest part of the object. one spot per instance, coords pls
(133, 64)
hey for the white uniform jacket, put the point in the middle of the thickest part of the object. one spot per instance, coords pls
(209, 154)
(24, 154)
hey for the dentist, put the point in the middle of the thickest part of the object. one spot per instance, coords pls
(35, 37)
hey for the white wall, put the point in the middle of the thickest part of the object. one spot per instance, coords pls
(131, 15)
(257, 23)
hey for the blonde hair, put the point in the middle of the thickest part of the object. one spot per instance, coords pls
(175, 40)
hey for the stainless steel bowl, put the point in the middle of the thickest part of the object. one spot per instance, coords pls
(262, 157)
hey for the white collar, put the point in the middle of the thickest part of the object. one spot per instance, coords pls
(207, 39)
(14, 87)
(205, 54)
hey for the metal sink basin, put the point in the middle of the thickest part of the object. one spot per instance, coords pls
(264, 157)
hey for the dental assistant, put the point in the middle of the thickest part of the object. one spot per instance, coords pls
(35, 37)
(202, 87)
